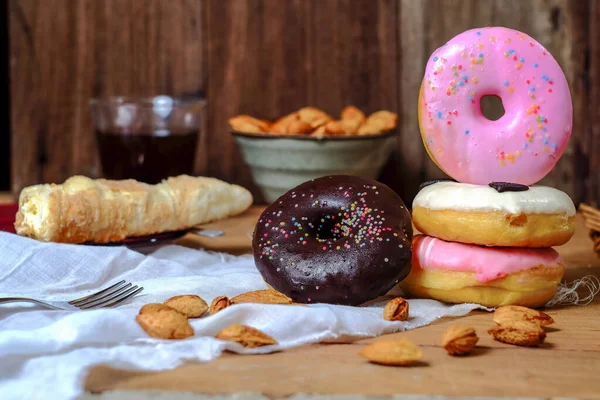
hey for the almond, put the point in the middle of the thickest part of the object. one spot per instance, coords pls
(219, 303)
(268, 296)
(246, 336)
(520, 333)
(153, 307)
(164, 323)
(518, 313)
(392, 352)
(190, 305)
(459, 339)
(396, 310)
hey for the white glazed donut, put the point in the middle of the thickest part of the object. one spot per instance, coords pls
(538, 217)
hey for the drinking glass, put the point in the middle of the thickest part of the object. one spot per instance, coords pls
(146, 138)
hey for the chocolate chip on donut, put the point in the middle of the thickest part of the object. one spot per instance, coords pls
(337, 239)
(502, 187)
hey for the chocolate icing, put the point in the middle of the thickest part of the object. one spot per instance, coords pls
(508, 187)
(428, 183)
(337, 239)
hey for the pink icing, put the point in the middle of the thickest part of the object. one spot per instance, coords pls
(488, 263)
(527, 141)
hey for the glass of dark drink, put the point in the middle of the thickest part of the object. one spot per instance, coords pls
(146, 139)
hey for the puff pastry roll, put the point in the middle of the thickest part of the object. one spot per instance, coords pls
(101, 211)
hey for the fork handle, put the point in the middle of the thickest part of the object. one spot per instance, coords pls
(26, 300)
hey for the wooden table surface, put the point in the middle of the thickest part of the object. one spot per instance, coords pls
(567, 364)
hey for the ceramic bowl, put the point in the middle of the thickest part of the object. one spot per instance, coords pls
(279, 163)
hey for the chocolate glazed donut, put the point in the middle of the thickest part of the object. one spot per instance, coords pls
(337, 239)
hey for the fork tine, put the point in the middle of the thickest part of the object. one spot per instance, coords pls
(107, 302)
(96, 294)
(116, 290)
(103, 298)
(129, 294)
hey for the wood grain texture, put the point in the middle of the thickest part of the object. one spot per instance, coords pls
(590, 150)
(559, 25)
(4, 95)
(491, 370)
(268, 58)
(570, 354)
(410, 158)
(65, 52)
(250, 72)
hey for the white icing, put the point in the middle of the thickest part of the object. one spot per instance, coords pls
(467, 197)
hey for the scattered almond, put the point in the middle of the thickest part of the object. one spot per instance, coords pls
(517, 313)
(396, 310)
(164, 323)
(190, 305)
(267, 296)
(219, 303)
(520, 333)
(459, 339)
(392, 352)
(153, 307)
(246, 336)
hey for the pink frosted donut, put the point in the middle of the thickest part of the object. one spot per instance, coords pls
(493, 276)
(527, 141)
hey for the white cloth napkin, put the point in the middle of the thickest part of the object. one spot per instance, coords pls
(46, 354)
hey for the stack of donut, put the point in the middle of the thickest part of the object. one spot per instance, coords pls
(487, 234)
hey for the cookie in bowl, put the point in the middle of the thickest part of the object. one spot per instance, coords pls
(309, 143)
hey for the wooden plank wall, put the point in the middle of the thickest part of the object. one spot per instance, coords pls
(590, 148)
(64, 52)
(267, 57)
(560, 25)
(5, 97)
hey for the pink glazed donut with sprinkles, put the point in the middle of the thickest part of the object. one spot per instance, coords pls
(527, 141)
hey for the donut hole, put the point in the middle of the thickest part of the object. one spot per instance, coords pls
(327, 228)
(491, 107)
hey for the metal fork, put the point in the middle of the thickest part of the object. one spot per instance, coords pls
(109, 297)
